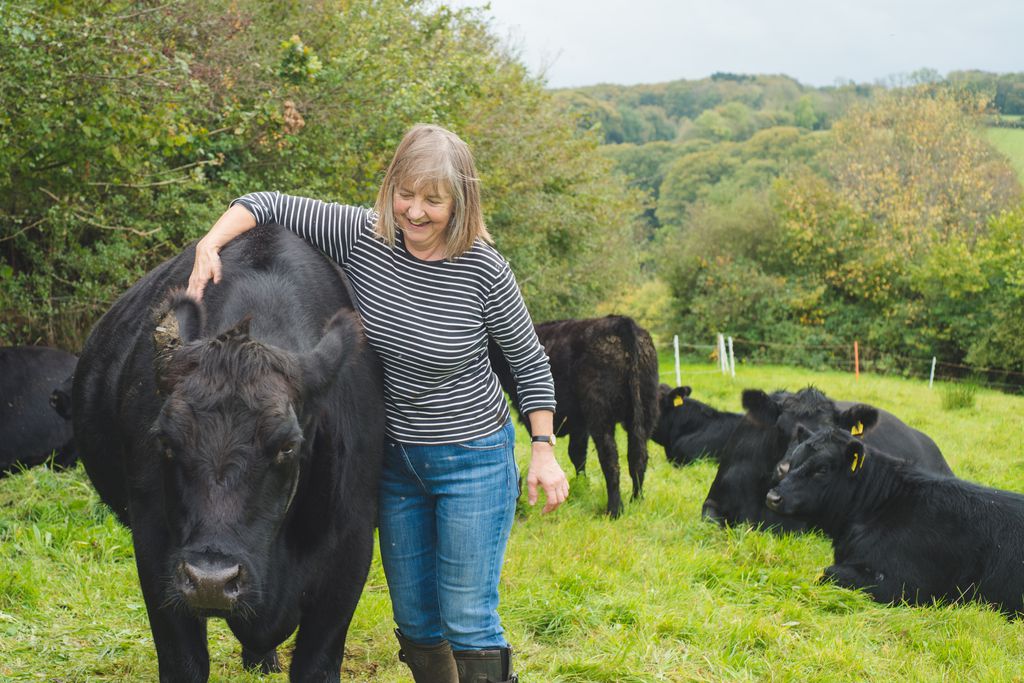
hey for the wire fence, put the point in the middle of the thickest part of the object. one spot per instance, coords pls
(853, 358)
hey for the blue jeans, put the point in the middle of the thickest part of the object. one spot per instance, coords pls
(445, 516)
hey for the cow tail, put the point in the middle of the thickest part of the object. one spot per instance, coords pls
(643, 376)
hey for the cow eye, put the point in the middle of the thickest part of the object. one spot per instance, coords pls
(286, 453)
(165, 448)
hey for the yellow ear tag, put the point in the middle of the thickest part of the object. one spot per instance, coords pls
(855, 463)
(857, 429)
(677, 401)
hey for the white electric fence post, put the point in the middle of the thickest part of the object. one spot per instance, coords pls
(931, 377)
(732, 359)
(723, 362)
(675, 343)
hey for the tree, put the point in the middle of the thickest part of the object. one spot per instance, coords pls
(130, 128)
(916, 163)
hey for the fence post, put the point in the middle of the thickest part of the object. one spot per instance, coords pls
(732, 359)
(675, 344)
(931, 377)
(723, 362)
(856, 360)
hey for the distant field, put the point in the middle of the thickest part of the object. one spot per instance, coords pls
(658, 596)
(1010, 141)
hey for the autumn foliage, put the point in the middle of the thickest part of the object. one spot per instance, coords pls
(904, 233)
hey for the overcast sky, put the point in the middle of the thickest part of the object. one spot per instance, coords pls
(818, 42)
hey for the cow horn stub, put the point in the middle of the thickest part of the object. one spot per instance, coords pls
(239, 333)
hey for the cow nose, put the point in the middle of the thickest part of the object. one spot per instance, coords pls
(210, 586)
(773, 500)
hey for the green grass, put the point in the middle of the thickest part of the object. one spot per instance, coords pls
(1009, 141)
(657, 595)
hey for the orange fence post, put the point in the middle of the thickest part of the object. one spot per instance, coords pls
(856, 360)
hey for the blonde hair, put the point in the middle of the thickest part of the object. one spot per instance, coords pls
(433, 157)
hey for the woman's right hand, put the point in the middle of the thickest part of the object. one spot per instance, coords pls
(206, 268)
(232, 223)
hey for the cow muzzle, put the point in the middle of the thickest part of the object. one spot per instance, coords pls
(773, 500)
(210, 585)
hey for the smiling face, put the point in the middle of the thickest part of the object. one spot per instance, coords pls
(423, 212)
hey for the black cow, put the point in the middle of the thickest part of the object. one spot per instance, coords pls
(767, 432)
(31, 431)
(606, 373)
(903, 534)
(241, 440)
(689, 429)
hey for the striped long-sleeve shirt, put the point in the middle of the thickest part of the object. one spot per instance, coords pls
(428, 321)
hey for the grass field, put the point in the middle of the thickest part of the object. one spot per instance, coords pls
(1009, 141)
(657, 595)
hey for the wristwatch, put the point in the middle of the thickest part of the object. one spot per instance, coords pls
(547, 438)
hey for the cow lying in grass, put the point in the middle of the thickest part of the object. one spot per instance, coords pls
(902, 534)
(31, 430)
(767, 435)
(689, 429)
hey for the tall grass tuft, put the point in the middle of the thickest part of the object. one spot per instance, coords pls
(959, 395)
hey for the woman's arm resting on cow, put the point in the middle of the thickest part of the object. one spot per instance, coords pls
(544, 469)
(230, 225)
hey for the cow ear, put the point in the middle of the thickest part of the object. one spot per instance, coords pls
(858, 418)
(676, 396)
(321, 366)
(178, 321)
(802, 433)
(760, 406)
(60, 401)
(854, 455)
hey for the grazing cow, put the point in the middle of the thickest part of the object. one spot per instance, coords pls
(689, 429)
(605, 372)
(31, 431)
(750, 464)
(903, 534)
(241, 441)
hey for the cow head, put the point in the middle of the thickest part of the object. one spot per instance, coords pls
(827, 459)
(234, 435)
(856, 420)
(669, 400)
(750, 456)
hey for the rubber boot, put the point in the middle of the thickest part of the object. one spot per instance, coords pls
(486, 666)
(428, 663)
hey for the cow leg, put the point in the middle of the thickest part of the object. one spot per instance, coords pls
(180, 639)
(636, 456)
(265, 662)
(608, 455)
(320, 642)
(320, 645)
(578, 440)
(880, 587)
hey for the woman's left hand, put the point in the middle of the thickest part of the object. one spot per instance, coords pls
(546, 473)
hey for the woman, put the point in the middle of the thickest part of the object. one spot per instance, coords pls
(431, 289)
